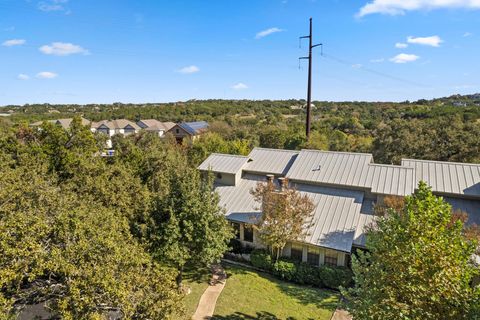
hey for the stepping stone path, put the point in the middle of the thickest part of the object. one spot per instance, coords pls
(206, 305)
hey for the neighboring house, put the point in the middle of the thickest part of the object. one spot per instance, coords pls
(155, 126)
(64, 123)
(190, 130)
(344, 188)
(113, 127)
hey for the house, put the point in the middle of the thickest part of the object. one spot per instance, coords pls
(344, 188)
(190, 130)
(113, 127)
(155, 126)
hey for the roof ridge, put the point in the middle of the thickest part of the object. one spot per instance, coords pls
(229, 155)
(445, 162)
(389, 165)
(340, 152)
(272, 149)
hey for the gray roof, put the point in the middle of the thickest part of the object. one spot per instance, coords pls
(447, 177)
(271, 161)
(333, 168)
(392, 180)
(337, 216)
(224, 163)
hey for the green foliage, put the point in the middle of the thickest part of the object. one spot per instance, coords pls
(320, 276)
(418, 265)
(186, 224)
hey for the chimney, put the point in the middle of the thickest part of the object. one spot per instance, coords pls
(270, 178)
(283, 183)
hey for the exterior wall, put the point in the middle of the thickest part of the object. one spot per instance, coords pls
(341, 256)
(225, 178)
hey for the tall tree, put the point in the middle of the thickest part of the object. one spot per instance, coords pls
(418, 265)
(286, 215)
(187, 225)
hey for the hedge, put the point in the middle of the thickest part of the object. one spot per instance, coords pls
(299, 272)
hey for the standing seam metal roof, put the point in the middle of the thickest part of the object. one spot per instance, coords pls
(224, 163)
(270, 161)
(334, 168)
(447, 177)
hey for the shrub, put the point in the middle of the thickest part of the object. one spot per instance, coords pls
(261, 259)
(323, 276)
(286, 270)
(334, 277)
(238, 247)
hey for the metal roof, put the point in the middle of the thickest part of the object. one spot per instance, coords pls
(447, 177)
(224, 163)
(388, 179)
(194, 128)
(337, 216)
(333, 168)
(270, 161)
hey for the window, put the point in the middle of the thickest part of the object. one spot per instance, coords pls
(313, 256)
(236, 229)
(219, 175)
(331, 258)
(247, 233)
(296, 253)
(177, 131)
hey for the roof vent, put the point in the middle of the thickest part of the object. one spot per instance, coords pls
(317, 168)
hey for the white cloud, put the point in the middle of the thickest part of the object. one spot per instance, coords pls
(62, 49)
(433, 41)
(357, 66)
(189, 70)
(22, 76)
(467, 34)
(401, 45)
(267, 32)
(240, 86)
(52, 5)
(396, 7)
(46, 75)
(377, 60)
(13, 42)
(404, 58)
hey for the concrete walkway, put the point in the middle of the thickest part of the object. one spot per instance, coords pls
(206, 305)
(340, 314)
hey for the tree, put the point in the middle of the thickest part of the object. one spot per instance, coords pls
(187, 225)
(286, 215)
(73, 253)
(418, 265)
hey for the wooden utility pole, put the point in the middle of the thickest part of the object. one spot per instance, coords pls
(309, 85)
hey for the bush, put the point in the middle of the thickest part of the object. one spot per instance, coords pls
(303, 273)
(286, 270)
(335, 277)
(262, 260)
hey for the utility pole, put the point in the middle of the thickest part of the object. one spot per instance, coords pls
(309, 86)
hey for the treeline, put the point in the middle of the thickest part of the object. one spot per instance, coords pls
(435, 129)
(96, 237)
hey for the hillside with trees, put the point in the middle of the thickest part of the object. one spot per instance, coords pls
(441, 129)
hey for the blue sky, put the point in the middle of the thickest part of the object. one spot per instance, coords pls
(86, 51)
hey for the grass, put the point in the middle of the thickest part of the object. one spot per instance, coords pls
(253, 295)
(197, 280)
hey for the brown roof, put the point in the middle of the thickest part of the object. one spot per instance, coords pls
(116, 124)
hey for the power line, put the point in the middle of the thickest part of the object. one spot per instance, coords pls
(372, 71)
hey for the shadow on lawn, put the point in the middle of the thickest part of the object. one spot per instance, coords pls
(262, 315)
(321, 298)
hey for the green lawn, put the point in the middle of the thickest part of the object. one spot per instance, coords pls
(198, 282)
(254, 295)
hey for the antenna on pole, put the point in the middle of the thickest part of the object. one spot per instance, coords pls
(309, 86)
